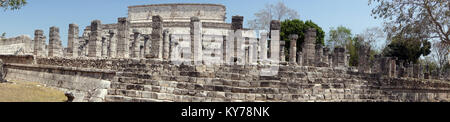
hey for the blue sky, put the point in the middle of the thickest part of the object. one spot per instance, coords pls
(42, 14)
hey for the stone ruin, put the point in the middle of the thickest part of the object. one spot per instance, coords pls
(2, 72)
(188, 53)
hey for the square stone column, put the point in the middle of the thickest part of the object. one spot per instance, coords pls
(166, 44)
(308, 47)
(363, 60)
(55, 44)
(393, 67)
(135, 46)
(123, 50)
(72, 41)
(299, 58)
(325, 58)
(237, 22)
(319, 54)
(95, 39)
(229, 48)
(112, 50)
(263, 47)
(157, 38)
(282, 51)
(39, 43)
(254, 51)
(339, 57)
(147, 40)
(196, 41)
(105, 45)
(275, 27)
(293, 49)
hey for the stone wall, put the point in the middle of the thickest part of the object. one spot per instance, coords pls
(155, 81)
(18, 59)
(85, 84)
(177, 12)
(19, 45)
(244, 83)
(2, 72)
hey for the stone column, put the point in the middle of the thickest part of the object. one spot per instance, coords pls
(196, 41)
(299, 58)
(229, 48)
(318, 57)
(282, 52)
(254, 51)
(393, 67)
(147, 40)
(363, 65)
(410, 70)
(416, 71)
(104, 47)
(237, 22)
(239, 47)
(174, 49)
(420, 71)
(401, 69)
(293, 49)
(325, 56)
(308, 47)
(339, 57)
(112, 44)
(2, 72)
(166, 44)
(157, 38)
(135, 46)
(275, 27)
(39, 43)
(123, 38)
(72, 41)
(55, 46)
(95, 39)
(385, 66)
(426, 75)
(263, 47)
(330, 60)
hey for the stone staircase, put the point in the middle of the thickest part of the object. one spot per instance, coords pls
(144, 82)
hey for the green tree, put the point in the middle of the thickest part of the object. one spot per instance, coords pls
(299, 27)
(407, 49)
(429, 18)
(353, 48)
(339, 37)
(320, 34)
(12, 4)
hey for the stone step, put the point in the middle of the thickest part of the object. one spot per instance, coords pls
(118, 98)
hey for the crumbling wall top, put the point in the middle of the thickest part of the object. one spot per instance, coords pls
(177, 12)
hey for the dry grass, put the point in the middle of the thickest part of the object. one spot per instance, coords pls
(20, 91)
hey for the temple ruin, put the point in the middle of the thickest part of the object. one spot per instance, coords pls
(188, 53)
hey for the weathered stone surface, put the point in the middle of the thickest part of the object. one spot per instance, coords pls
(72, 41)
(293, 49)
(39, 43)
(135, 46)
(308, 48)
(237, 22)
(112, 50)
(115, 77)
(55, 44)
(157, 38)
(196, 41)
(2, 72)
(123, 38)
(95, 39)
